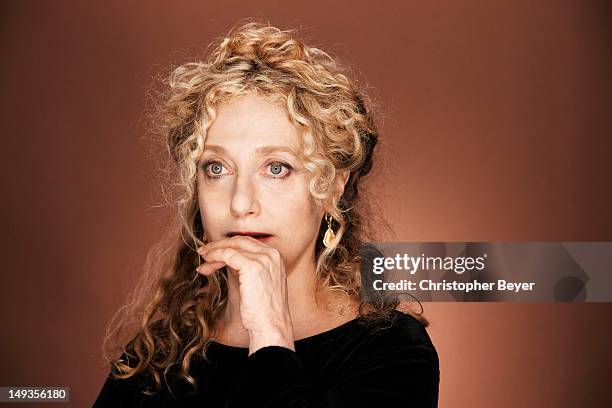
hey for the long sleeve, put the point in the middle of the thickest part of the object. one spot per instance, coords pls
(273, 377)
(395, 375)
(127, 393)
(116, 393)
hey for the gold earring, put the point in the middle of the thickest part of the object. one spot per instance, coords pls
(329, 234)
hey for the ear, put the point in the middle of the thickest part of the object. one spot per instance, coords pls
(341, 178)
(340, 181)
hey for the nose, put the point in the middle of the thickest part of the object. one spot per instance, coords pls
(244, 200)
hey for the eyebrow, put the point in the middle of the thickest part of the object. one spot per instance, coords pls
(260, 150)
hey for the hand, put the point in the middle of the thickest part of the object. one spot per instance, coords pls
(260, 269)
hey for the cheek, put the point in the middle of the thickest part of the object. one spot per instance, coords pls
(302, 214)
(294, 198)
(209, 214)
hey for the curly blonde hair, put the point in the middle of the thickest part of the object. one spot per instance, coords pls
(174, 308)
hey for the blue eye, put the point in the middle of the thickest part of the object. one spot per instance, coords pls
(276, 169)
(213, 169)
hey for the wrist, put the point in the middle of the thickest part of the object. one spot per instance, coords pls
(271, 335)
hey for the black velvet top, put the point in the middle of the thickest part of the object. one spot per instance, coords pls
(391, 364)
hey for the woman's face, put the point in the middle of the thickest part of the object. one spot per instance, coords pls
(251, 180)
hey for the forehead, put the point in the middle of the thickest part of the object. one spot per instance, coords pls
(251, 121)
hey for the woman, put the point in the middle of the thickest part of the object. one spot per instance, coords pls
(260, 305)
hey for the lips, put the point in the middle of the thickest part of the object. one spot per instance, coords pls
(254, 234)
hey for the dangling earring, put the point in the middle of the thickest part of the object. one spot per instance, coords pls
(329, 234)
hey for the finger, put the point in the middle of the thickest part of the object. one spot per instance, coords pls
(264, 254)
(208, 268)
(237, 242)
(232, 258)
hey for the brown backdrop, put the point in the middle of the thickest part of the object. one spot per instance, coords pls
(496, 128)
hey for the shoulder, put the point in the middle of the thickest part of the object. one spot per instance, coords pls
(402, 342)
(390, 361)
(394, 341)
(399, 329)
(399, 344)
